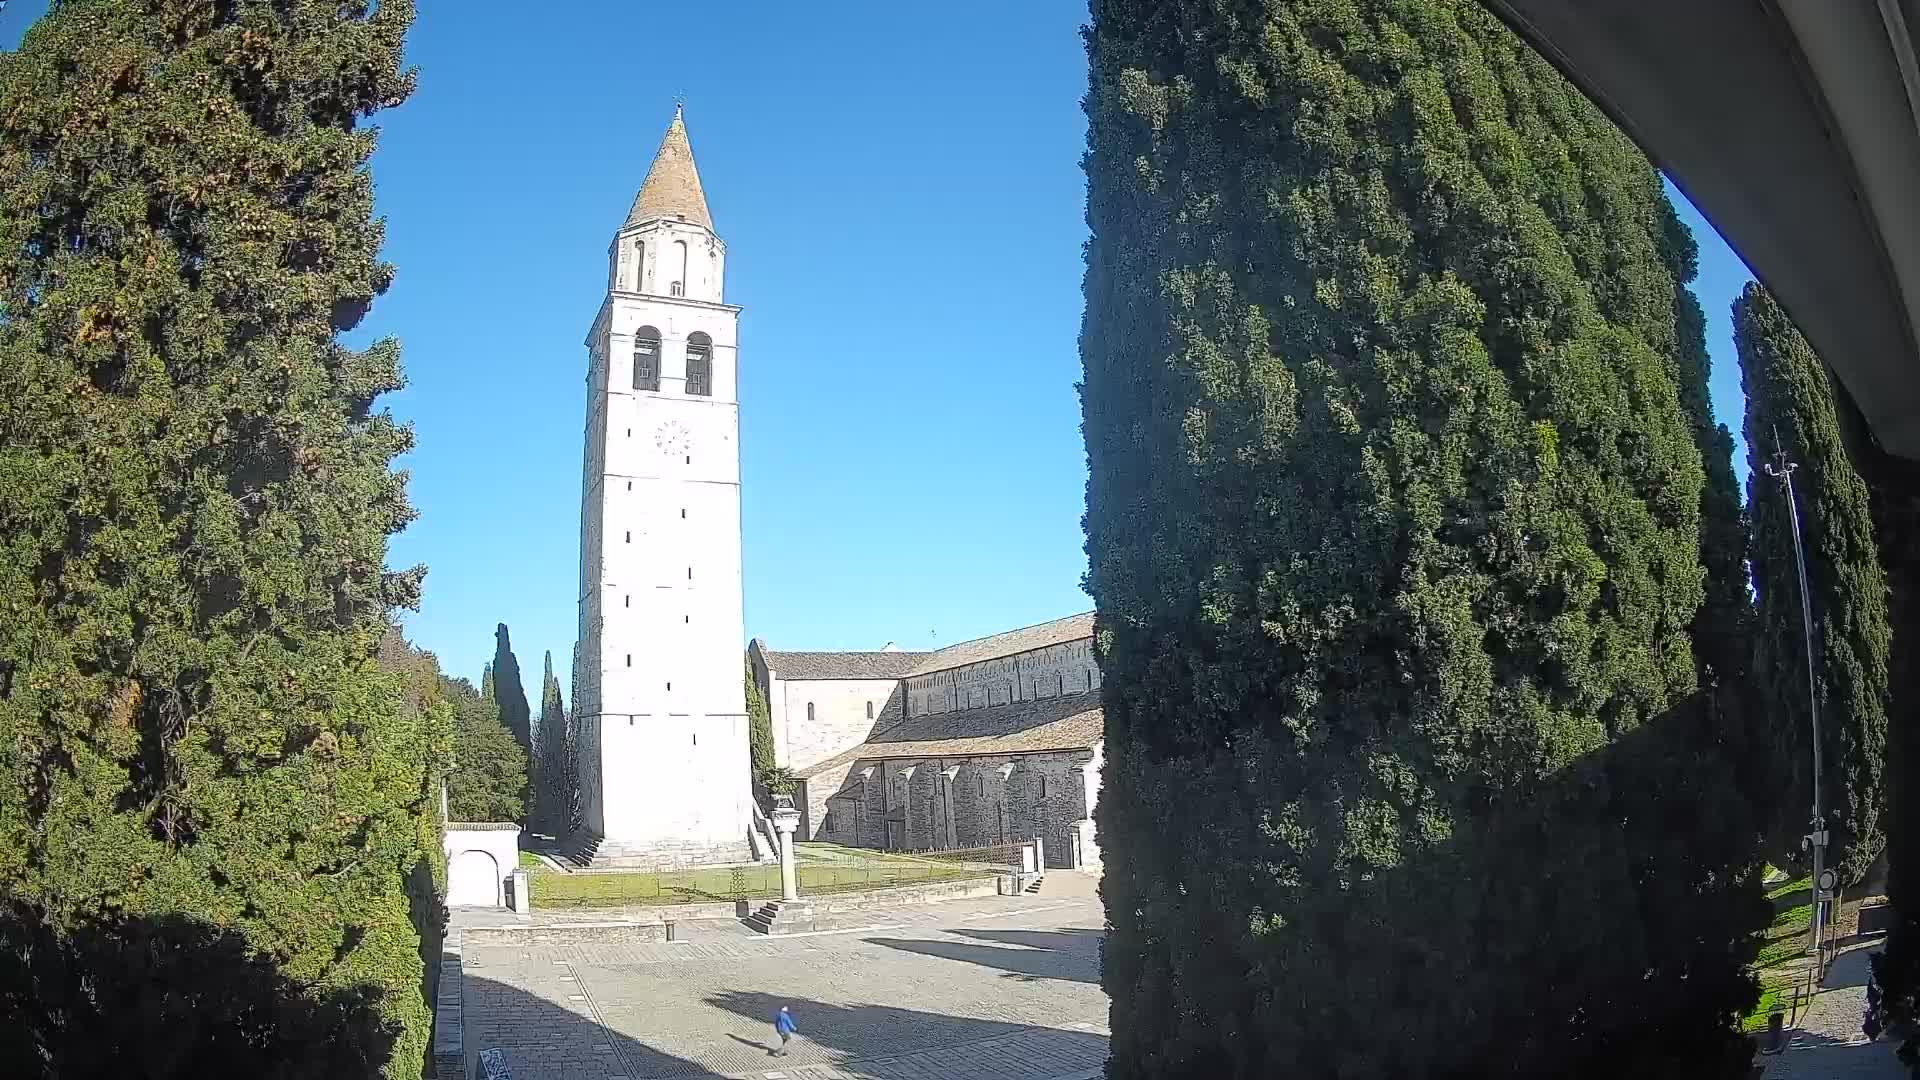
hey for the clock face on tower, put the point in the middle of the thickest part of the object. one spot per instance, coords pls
(673, 439)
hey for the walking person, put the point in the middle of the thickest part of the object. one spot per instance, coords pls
(787, 1029)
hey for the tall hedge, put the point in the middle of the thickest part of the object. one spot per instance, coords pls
(1790, 406)
(552, 780)
(1894, 991)
(1393, 520)
(196, 490)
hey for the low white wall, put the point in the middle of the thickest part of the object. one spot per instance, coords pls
(480, 855)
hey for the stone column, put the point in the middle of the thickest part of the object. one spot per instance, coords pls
(785, 820)
(947, 776)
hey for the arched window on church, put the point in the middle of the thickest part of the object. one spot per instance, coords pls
(680, 259)
(646, 359)
(869, 710)
(639, 266)
(699, 364)
(809, 712)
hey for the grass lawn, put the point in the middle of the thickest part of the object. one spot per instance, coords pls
(1785, 939)
(530, 861)
(819, 870)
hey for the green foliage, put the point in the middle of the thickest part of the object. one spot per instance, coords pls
(1394, 526)
(514, 712)
(1790, 407)
(553, 785)
(576, 810)
(486, 683)
(1894, 993)
(172, 997)
(759, 730)
(489, 777)
(196, 489)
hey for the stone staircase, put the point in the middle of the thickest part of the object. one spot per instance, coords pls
(777, 917)
(760, 837)
(1034, 885)
(577, 852)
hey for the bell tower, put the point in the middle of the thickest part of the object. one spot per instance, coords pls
(664, 766)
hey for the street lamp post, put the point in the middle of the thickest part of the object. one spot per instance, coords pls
(1782, 469)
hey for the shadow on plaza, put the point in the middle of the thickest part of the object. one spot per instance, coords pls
(1824, 1057)
(542, 1038)
(1072, 955)
(856, 1032)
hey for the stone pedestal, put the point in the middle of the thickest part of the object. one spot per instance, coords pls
(789, 917)
(785, 821)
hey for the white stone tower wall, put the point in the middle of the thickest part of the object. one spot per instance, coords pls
(662, 621)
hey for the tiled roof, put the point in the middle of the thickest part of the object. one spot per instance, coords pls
(672, 188)
(842, 665)
(1073, 722)
(1025, 639)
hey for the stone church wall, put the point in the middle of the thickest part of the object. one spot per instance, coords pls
(845, 712)
(995, 800)
(1066, 668)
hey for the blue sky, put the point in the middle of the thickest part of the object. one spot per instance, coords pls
(900, 192)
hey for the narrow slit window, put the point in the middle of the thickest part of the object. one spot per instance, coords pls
(869, 710)
(629, 659)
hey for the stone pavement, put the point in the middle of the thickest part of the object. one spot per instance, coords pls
(1828, 1045)
(965, 989)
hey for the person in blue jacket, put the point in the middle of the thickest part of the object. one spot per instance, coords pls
(783, 1023)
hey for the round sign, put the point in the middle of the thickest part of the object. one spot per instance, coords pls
(1828, 879)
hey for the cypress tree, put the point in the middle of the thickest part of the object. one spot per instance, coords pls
(575, 810)
(1893, 995)
(759, 730)
(1790, 407)
(196, 491)
(1723, 626)
(486, 683)
(551, 797)
(508, 691)
(1393, 521)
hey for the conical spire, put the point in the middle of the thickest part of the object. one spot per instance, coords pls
(672, 187)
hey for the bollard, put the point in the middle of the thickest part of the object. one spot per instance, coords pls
(1776, 1032)
(670, 931)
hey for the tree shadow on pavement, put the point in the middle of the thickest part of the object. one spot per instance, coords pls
(541, 1039)
(853, 1032)
(1072, 955)
(1849, 969)
(1823, 1057)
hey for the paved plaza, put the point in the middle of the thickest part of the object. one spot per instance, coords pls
(999, 987)
(1828, 1044)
